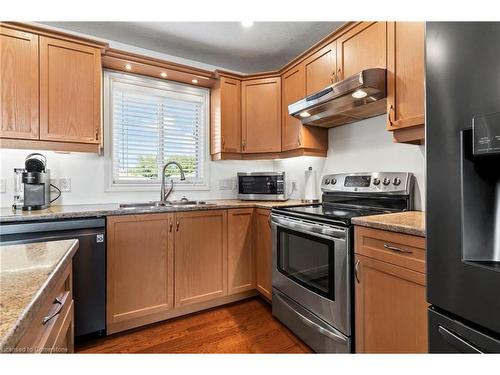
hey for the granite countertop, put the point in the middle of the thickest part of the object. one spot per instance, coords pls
(27, 274)
(409, 222)
(8, 215)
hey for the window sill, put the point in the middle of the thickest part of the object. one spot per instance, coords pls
(156, 187)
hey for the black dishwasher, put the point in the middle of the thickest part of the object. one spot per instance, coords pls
(89, 265)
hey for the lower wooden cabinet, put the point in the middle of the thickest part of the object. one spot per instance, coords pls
(139, 268)
(200, 256)
(164, 265)
(240, 258)
(390, 293)
(263, 252)
(52, 329)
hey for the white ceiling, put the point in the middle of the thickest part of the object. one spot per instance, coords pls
(262, 47)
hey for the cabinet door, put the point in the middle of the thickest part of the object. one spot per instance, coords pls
(320, 69)
(362, 47)
(261, 115)
(240, 264)
(139, 267)
(405, 74)
(263, 252)
(293, 134)
(19, 88)
(70, 92)
(230, 115)
(200, 256)
(294, 88)
(391, 309)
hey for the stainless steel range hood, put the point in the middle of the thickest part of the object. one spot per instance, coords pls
(355, 98)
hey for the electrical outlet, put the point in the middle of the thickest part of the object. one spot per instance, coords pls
(294, 184)
(65, 183)
(226, 184)
(3, 185)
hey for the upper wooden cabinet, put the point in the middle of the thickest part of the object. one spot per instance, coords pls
(19, 84)
(320, 69)
(50, 96)
(140, 268)
(405, 80)
(200, 256)
(240, 258)
(226, 116)
(70, 91)
(362, 47)
(261, 115)
(293, 134)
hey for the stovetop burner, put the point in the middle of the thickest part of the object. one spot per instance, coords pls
(329, 212)
(348, 195)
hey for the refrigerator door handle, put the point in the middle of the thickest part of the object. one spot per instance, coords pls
(457, 342)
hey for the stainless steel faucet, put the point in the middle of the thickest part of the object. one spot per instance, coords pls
(165, 195)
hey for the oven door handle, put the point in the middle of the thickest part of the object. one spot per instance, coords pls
(325, 332)
(303, 227)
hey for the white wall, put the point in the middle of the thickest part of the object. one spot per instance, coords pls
(88, 182)
(364, 146)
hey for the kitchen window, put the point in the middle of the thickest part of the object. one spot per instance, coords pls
(150, 122)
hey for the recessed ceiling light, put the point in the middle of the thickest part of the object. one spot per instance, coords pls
(128, 67)
(163, 74)
(358, 94)
(304, 114)
(194, 80)
(247, 23)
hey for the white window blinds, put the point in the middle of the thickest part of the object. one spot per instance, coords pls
(154, 122)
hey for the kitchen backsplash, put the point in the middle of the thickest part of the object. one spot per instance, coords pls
(364, 146)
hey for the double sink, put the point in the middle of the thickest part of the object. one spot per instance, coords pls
(158, 204)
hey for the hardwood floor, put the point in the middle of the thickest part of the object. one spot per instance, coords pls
(241, 327)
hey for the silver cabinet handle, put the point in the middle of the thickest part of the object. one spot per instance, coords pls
(356, 271)
(391, 109)
(399, 250)
(177, 225)
(48, 318)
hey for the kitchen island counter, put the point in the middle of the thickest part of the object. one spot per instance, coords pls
(28, 273)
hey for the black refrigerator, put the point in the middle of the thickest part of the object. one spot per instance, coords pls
(463, 186)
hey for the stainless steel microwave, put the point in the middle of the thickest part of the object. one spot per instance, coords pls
(262, 186)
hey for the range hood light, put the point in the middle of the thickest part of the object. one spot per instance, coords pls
(304, 114)
(359, 94)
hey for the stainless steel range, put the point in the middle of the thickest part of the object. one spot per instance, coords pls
(313, 255)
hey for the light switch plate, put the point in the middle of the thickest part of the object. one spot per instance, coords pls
(65, 183)
(3, 185)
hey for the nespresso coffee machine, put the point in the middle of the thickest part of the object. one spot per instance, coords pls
(32, 184)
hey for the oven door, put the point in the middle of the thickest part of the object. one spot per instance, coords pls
(311, 266)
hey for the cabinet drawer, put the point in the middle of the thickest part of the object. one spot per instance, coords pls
(41, 336)
(400, 249)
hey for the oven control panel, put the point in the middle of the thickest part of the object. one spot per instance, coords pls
(369, 182)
